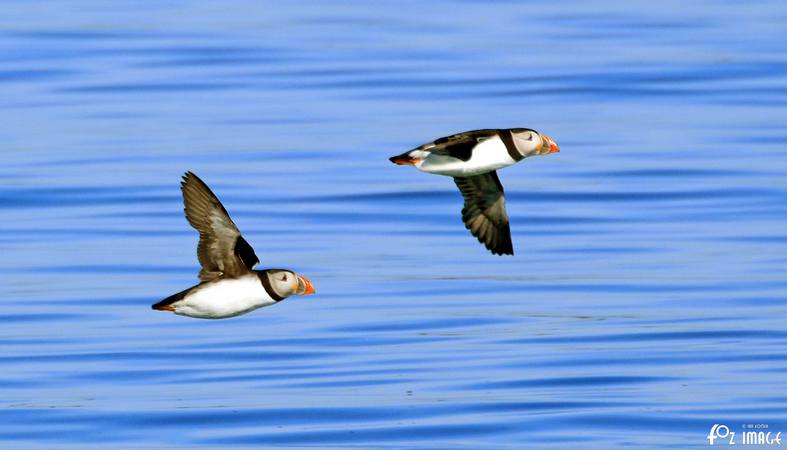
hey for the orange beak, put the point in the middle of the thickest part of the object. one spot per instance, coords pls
(550, 146)
(403, 160)
(309, 287)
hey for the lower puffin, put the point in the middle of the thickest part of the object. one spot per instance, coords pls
(472, 158)
(230, 287)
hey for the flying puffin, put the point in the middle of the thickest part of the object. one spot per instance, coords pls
(471, 158)
(229, 287)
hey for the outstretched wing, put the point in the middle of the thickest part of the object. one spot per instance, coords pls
(484, 212)
(222, 250)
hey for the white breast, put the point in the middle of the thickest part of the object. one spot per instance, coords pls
(488, 155)
(224, 298)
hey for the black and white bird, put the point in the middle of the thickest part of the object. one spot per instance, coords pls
(471, 158)
(229, 286)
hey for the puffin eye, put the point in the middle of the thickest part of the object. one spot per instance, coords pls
(284, 278)
(530, 136)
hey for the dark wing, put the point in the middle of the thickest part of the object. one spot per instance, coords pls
(459, 146)
(222, 250)
(484, 213)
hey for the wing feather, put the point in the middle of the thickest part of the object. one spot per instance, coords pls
(484, 212)
(221, 250)
(460, 145)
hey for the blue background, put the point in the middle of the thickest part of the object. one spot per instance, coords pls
(646, 301)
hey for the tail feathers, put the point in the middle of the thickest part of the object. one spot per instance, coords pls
(166, 304)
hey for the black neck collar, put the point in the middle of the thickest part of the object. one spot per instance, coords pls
(266, 284)
(508, 140)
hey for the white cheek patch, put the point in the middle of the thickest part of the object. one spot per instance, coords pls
(419, 154)
(525, 145)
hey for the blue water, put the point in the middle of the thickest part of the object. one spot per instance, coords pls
(646, 302)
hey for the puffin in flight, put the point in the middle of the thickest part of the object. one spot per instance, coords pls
(229, 286)
(471, 158)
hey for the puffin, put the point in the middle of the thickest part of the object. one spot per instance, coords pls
(229, 286)
(472, 159)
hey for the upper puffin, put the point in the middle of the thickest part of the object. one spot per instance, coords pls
(471, 158)
(229, 286)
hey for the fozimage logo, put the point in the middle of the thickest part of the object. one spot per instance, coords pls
(751, 434)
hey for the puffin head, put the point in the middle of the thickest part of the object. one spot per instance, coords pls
(286, 283)
(531, 143)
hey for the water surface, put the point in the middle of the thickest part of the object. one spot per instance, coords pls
(646, 301)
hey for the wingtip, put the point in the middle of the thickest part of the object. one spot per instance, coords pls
(191, 178)
(185, 178)
(502, 251)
